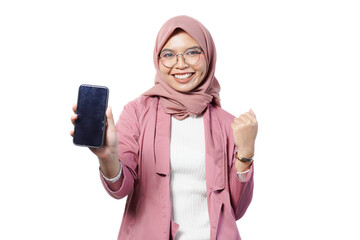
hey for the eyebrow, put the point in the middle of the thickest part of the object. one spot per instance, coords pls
(170, 50)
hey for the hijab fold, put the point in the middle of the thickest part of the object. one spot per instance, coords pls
(184, 104)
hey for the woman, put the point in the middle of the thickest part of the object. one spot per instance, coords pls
(184, 163)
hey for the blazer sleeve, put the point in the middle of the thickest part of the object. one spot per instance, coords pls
(241, 191)
(128, 132)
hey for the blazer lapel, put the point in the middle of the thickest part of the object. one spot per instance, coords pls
(215, 153)
(162, 141)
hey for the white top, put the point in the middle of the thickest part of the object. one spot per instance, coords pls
(187, 179)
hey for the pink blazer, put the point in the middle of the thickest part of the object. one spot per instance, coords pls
(144, 145)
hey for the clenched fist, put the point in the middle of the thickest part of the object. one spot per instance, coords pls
(245, 129)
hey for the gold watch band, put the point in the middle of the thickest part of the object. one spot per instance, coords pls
(241, 159)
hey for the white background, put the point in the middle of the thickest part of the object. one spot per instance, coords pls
(296, 63)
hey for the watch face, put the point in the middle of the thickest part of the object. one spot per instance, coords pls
(245, 159)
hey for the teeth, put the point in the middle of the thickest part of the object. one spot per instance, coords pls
(183, 76)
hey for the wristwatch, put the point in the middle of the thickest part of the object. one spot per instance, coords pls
(241, 159)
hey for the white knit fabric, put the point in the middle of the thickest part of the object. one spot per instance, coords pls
(114, 179)
(187, 179)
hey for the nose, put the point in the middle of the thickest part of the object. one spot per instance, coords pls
(180, 62)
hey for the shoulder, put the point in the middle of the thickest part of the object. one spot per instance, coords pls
(223, 115)
(141, 103)
(136, 111)
(224, 119)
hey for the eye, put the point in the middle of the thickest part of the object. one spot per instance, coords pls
(192, 52)
(167, 55)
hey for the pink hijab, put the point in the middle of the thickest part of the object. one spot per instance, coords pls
(180, 104)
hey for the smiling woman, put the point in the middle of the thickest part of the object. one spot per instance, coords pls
(185, 71)
(185, 163)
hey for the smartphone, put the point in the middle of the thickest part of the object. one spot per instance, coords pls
(89, 129)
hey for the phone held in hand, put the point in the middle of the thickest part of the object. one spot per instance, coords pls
(89, 129)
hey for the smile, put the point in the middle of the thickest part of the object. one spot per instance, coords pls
(183, 76)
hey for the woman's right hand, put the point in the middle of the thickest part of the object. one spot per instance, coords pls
(108, 153)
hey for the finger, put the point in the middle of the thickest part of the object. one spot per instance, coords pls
(239, 120)
(73, 118)
(72, 133)
(250, 116)
(252, 112)
(109, 112)
(110, 117)
(74, 107)
(244, 118)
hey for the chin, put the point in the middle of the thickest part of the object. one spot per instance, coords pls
(187, 87)
(183, 88)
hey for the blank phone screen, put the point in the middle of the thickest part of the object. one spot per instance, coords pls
(90, 124)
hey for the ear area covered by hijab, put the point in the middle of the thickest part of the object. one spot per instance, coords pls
(181, 105)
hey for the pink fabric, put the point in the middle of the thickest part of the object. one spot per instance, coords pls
(194, 102)
(144, 131)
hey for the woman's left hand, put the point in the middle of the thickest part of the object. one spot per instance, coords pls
(245, 129)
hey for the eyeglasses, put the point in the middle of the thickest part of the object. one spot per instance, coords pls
(190, 57)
